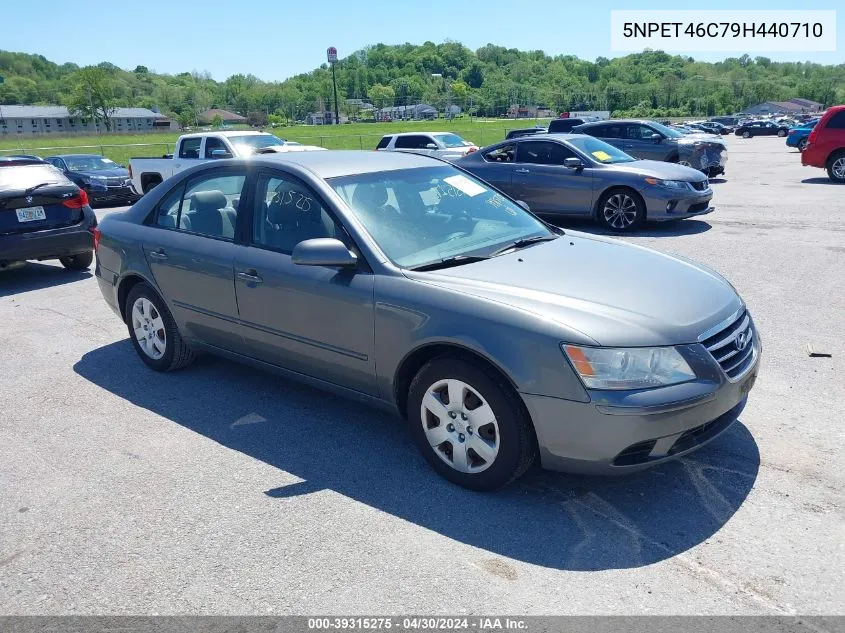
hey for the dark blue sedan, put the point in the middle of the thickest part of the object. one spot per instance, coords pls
(101, 178)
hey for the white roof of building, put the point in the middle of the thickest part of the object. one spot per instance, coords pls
(61, 112)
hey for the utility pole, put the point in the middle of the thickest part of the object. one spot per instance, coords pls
(331, 55)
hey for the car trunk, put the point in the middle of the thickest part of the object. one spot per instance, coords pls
(37, 197)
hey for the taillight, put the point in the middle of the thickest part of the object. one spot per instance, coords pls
(813, 134)
(78, 201)
(130, 170)
(96, 233)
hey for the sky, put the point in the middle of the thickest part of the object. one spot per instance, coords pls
(274, 40)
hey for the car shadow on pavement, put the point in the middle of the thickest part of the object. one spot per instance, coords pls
(549, 519)
(672, 228)
(34, 276)
(821, 181)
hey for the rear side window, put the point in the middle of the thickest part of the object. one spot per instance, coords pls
(837, 121)
(168, 208)
(190, 148)
(607, 131)
(207, 205)
(412, 142)
(384, 142)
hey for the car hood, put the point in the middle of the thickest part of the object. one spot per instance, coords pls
(117, 172)
(701, 138)
(661, 169)
(613, 293)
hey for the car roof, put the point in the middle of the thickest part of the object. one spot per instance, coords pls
(333, 163)
(78, 156)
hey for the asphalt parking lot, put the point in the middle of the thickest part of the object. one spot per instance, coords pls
(223, 490)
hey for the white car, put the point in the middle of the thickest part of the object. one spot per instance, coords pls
(441, 144)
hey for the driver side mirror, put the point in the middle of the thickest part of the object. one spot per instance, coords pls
(221, 153)
(573, 163)
(656, 137)
(524, 205)
(323, 251)
(431, 146)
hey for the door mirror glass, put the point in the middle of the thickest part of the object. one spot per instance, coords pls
(430, 146)
(220, 153)
(656, 138)
(572, 163)
(323, 251)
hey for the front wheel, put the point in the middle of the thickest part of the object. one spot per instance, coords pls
(621, 210)
(82, 261)
(153, 331)
(781, 133)
(746, 134)
(836, 167)
(469, 424)
(802, 145)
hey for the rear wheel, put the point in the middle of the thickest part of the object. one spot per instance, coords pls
(781, 133)
(802, 145)
(153, 331)
(78, 262)
(836, 167)
(469, 424)
(621, 210)
(746, 134)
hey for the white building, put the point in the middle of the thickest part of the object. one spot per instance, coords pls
(26, 120)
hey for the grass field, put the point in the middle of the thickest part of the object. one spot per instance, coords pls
(121, 147)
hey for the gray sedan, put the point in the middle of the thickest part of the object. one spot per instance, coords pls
(402, 281)
(578, 175)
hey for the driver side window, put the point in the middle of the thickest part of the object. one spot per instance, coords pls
(502, 154)
(212, 144)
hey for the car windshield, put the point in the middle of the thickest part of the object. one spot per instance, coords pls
(90, 163)
(599, 150)
(252, 142)
(666, 131)
(451, 140)
(423, 215)
(20, 177)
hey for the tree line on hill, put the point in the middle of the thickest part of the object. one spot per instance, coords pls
(486, 82)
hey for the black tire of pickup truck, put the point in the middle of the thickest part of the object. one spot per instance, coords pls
(150, 183)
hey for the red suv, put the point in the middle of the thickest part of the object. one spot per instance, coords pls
(826, 144)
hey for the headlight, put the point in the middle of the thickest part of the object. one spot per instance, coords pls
(628, 368)
(668, 184)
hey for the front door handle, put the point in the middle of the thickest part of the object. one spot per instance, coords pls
(250, 276)
(158, 254)
(522, 171)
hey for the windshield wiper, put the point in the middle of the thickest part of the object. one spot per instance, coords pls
(26, 192)
(448, 262)
(521, 243)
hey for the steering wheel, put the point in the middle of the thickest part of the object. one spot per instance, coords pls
(455, 235)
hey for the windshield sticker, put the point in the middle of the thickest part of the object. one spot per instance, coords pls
(462, 183)
(601, 155)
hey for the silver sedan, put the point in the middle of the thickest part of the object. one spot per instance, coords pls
(579, 175)
(402, 281)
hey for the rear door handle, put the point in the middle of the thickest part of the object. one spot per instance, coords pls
(250, 276)
(158, 254)
(522, 171)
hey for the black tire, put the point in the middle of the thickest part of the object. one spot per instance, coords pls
(517, 441)
(624, 225)
(836, 165)
(746, 134)
(82, 261)
(177, 354)
(781, 133)
(802, 145)
(150, 185)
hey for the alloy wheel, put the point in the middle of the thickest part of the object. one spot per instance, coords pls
(620, 211)
(838, 168)
(149, 328)
(460, 426)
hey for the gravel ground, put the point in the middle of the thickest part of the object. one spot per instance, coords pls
(223, 490)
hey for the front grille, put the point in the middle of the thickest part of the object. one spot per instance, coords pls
(733, 347)
(635, 454)
(699, 186)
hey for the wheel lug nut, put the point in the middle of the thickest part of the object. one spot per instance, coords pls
(469, 430)
(461, 437)
(463, 416)
(450, 428)
(453, 415)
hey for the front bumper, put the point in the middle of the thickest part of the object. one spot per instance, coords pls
(618, 433)
(50, 243)
(669, 204)
(112, 194)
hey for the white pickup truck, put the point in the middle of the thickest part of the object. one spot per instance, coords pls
(193, 149)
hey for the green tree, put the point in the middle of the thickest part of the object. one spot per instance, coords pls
(93, 95)
(186, 118)
(217, 122)
(381, 96)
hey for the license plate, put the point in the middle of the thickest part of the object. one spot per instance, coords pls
(746, 386)
(30, 214)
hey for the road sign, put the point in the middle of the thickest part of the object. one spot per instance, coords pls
(331, 54)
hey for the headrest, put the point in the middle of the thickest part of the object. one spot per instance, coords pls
(208, 200)
(368, 197)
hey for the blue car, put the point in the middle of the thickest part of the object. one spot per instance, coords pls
(797, 136)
